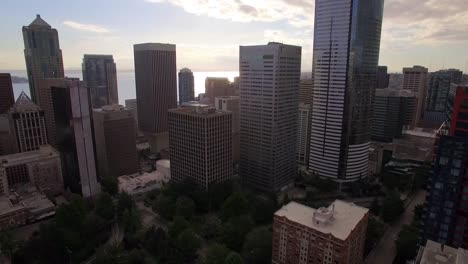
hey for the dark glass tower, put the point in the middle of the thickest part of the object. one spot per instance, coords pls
(346, 53)
(100, 76)
(186, 86)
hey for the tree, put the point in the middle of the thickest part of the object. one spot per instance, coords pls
(188, 243)
(109, 255)
(165, 206)
(262, 210)
(216, 254)
(417, 218)
(406, 244)
(234, 258)
(131, 220)
(257, 246)
(110, 185)
(211, 227)
(375, 230)
(235, 230)
(8, 245)
(124, 203)
(185, 207)
(392, 207)
(375, 207)
(235, 205)
(105, 206)
(156, 242)
(178, 225)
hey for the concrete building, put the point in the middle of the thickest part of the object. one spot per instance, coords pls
(415, 79)
(27, 125)
(114, 134)
(156, 90)
(131, 104)
(344, 87)
(306, 89)
(74, 137)
(7, 143)
(269, 98)
(100, 77)
(7, 99)
(383, 78)
(437, 253)
(42, 53)
(303, 133)
(186, 86)
(393, 111)
(41, 168)
(231, 104)
(200, 139)
(217, 87)
(336, 234)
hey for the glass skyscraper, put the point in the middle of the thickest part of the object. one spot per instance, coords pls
(186, 86)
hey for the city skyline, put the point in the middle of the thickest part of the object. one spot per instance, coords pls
(410, 31)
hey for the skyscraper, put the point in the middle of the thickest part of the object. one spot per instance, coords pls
(303, 133)
(346, 54)
(305, 91)
(439, 87)
(383, 78)
(100, 76)
(231, 104)
(218, 86)
(186, 86)
(27, 124)
(42, 53)
(156, 90)
(269, 98)
(114, 123)
(131, 104)
(7, 99)
(45, 102)
(415, 79)
(200, 139)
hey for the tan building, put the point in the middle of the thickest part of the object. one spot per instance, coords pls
(41, 168)
(114, 134)
(436, 253)
(306, 91)
(333, 235)
(416, 79)
(200, 143)
(218, 86)
(231, 103)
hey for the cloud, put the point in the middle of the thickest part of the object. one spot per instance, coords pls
(86, 27)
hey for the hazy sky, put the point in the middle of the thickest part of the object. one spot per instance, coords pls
(433, 33)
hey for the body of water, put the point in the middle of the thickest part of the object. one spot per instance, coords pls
(126, 82)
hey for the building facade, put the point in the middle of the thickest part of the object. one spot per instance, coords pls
(156, 90)
(200, 139)
(131, 104)
(306, 90)
(415, 79)
(42, 53)
(383, 78)
(216, 87)
(112, 124)
(303, 133)
(231, 104)
(100, 77)
(346, 53)
(7, 99)
(439, 87)
(333, 235)
(7, 145)
(186, 86)
(269, 97)
(27, 125)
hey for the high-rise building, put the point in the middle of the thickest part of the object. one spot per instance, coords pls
(346, 53)
(46, 104)
(445, 216)
(6, 139)
(218, 86)
(306, 91)
(415, 79)
(383, 78)
(456, 75)
(231, 104)
(393, 111)
(7, 99)
(41, 168)
(74, 137)
(100, 77)
(186, 86)
(27, 125)
(131, 104)
(156, 90)
(200, 139)
(303, 133)
(336, 234)
(269, 98)
(42, 53)
(437, 253)
(114, 123)
(439, 87)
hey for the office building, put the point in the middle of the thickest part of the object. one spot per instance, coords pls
(303, 133)
(344, 87)
(268, 114)
(42, 54)
(41, 168)
(156, 90)
(383, 78)
(445, 217)
(437, 253)
(415, 80)
(131, 104)
(7, 145)
(186, 86)
(27, 125)
(456, 75)
(115, 137)
(336, 234)
(306, 91)
(100, 77)
(231, 104)
(218, 86)
(7, 99)
(439, 87)
(46, 104)
(393, 111)
(74, 137)
(200, 139)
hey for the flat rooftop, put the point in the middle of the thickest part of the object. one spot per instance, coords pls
(339, 219)
(436, 253)
(43, 152)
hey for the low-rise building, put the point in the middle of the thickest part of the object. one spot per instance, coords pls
(436, 253)
(137, 184)
(333, 235)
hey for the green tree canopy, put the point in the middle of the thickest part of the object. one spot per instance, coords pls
(188, 243)
(234, 258)
(257, 246)
(211, 227)
(185, 207)
(406, 244)
(235, 205)
(262, 210)
(235, 230)
(165, 206)
(105, 206)
(110, 185)
(216, 254)
(178, 225)
(392, 207)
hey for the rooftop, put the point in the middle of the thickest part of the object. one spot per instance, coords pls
(198, 109)
(137, 183)
(154, 46)
(436, 253)
(393, 93)
(24, 104)
(39, 22)
(339, 219)
(45, 151)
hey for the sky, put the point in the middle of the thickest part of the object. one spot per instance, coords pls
(432, 33)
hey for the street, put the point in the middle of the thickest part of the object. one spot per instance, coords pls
(385, 251)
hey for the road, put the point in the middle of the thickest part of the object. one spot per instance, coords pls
(385, 250)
